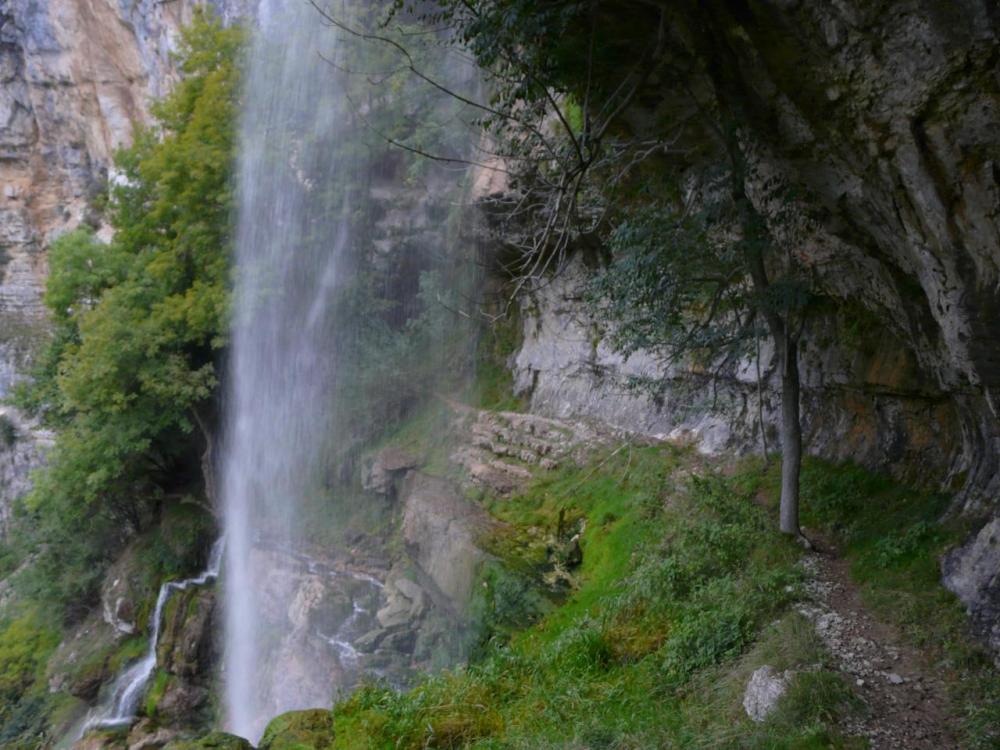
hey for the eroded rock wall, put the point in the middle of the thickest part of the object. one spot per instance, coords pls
(864, 396)
(871, 130)
(884, 116)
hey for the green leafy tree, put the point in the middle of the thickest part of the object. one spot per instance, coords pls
(131, 370)
(686, 288)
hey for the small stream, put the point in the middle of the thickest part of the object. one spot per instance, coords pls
(120, 707)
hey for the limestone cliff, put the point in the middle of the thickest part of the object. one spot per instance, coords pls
(76, 78)
(872, 130)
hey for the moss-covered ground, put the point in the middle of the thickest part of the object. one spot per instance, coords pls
(683, 590)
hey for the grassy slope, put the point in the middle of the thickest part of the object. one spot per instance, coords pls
(684, 589)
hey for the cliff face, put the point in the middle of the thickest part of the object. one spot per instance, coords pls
(76, 78)
(885, 115)
(872, 131)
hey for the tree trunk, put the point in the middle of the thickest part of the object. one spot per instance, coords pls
(207, 461)
(791, 438)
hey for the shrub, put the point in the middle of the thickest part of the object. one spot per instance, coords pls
(8, 431)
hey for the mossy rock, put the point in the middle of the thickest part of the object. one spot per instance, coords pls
(213, 741)
(300, 730)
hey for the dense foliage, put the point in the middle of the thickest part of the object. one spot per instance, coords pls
(139, 321)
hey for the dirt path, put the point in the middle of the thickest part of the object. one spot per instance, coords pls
(906, 708)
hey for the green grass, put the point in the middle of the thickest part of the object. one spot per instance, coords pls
(493, 385)
(26, 643)
(894, 537)
(156, 692)
(683, 590)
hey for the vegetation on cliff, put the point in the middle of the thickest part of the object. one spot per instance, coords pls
(695, 267)
(129, 372)
(139, 322)
(681, 586)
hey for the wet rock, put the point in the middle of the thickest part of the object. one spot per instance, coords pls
(440, 527)
(310, 668)
(763, 691)
(101, 741)
(370, 640)
(402, 641)
(299, 730)
(410, 589)
(395, 613)
(181, 701)
(187, 633)
(405, 603)
(385, 468)
(308, 596)
(146, 735)
(317, 607)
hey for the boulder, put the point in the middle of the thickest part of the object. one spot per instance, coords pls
(401, 641)
(405, 602)
(763, 692)
(441, 528)
(971, 572)
(386, 467)
(180, 701)
(370, 640)
(574, 553)
(394, 614)
(146, 735)
(300, 730)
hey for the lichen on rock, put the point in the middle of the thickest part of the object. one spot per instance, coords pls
(299, 730)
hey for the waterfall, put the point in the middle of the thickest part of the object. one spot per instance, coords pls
(278, 387)
(128, 689)
(311, 189)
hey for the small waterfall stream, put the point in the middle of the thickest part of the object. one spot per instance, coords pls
(128, 689)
